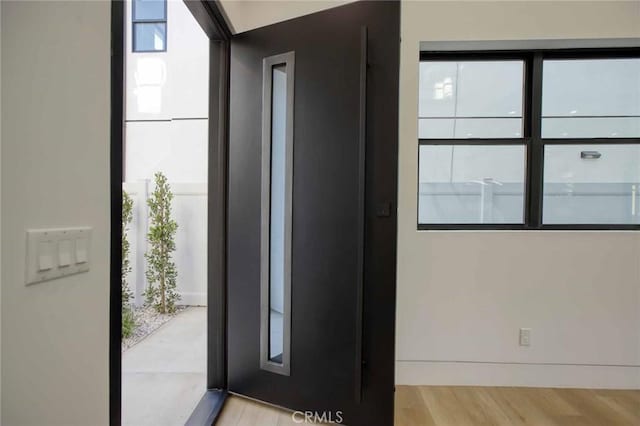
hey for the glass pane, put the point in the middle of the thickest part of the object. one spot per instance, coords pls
(149, 9)
(471, 99)
(592, 127)
(591, 98)
(463, 128)
(591, 184)
(278, 211)
(471, 184)
(149, 37)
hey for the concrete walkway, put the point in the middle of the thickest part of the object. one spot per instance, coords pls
(164, 376)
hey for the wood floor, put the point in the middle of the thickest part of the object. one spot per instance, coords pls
(477, 406)
(243, 412)
(448, 406)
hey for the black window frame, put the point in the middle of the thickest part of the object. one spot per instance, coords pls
(135, 21)
(532, 133)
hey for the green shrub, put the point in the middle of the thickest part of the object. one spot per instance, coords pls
(128, 322)
(161, 271)
(127, 217)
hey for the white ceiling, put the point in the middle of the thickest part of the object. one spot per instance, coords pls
(244, 15)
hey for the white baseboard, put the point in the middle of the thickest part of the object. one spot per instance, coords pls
(192, 299)
(525, 375)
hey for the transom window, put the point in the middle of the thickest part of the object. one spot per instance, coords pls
(529, 140)
(149, 21)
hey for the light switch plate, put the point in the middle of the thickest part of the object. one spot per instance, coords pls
(53, 253)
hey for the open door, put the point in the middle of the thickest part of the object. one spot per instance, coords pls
(311, 213)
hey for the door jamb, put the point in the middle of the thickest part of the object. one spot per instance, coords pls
(209, 14)
(116, 166)
(219, 56)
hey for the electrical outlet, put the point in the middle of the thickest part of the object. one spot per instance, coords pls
(525, 337)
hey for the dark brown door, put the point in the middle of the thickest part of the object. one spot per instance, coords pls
(312, 222)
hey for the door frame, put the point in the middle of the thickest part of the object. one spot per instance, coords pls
(116, 163)
(208, 13)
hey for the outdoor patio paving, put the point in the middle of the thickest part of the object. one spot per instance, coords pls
(164, 376)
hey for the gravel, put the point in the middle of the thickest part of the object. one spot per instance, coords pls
(147, 321)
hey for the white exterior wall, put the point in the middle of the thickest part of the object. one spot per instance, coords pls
(55, 173)
(170, 91)
(190, 211)
(178, 148)
(462, 296)
(167, 101)
(171, 84)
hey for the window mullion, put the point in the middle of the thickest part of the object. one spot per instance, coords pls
(149, 21)
(535, 152)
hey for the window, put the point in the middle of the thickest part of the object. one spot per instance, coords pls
(149, 20)
(276, 215)
(597, 184)
(471, 99)
(472, 184)
(529, 140)
(591, 98)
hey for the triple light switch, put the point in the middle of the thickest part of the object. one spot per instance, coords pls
(56, 253)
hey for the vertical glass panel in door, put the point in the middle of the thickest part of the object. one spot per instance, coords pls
(277, 211)
(277, 174)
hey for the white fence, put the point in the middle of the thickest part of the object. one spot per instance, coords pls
(189, 209)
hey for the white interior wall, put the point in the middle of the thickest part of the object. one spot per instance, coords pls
(462, 296)
(55, 173)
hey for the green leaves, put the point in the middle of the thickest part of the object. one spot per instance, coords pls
(128, 322)
(127, 216)
(161, 271)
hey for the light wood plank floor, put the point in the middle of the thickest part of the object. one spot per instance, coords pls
(477, 406)
(244, 412)
(445, 406)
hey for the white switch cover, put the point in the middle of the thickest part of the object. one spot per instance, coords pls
(45, 255)
(82, 246)
(56, 253)
(64, 253)
(525, 337)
